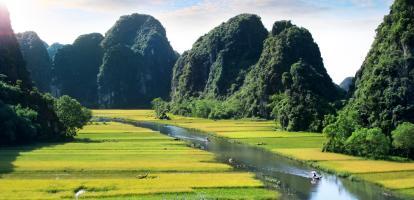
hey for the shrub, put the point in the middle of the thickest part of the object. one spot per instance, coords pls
(403, 137)
(161, 108)
(368, 142)
(72, 114)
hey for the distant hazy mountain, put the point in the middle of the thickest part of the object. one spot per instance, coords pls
(346, 83)
(52, 49)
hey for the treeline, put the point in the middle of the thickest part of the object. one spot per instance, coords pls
(27, 115)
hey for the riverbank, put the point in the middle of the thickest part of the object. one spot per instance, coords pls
(119, 161)
(305, 147)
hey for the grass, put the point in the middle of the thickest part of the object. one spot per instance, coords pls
(302, 146)
(118, 161)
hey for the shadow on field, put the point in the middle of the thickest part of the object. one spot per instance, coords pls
(8, 154)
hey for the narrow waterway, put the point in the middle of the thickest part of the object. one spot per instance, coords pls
(289, 177)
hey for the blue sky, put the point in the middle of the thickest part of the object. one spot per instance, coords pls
(343, 29)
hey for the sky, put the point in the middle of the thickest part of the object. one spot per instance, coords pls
(343, 29)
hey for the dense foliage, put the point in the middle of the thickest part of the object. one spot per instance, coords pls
(384, 86)
(285, 76)
(37, 59)
(161, 108)
(72, 114)
(218, 62)
(304, 103)
(403, 137)
(76, 67)
(12, 64)
(26, 115)
(137, 63)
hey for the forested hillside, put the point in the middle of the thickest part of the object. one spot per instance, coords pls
(137, 63)
(289, 79)
(217, 64)
(276, 75)
(37, 59)
(75, 69)
(384, 92)
(26, 115)
(12, 63)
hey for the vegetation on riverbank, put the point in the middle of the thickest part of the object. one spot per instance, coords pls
(300, 146)
(118, 161)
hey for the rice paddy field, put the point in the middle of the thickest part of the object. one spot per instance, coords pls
(118, 161)
(302, 146)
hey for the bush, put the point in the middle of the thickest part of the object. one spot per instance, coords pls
(72, 114)
(17, 124)
(161, 108)
(403, 137)
(368, 142)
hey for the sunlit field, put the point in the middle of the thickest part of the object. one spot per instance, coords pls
(302, 146)
(118, 161)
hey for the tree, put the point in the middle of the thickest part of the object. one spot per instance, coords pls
(72, 114)
(368, 142)
(161, 108)
(403, 137)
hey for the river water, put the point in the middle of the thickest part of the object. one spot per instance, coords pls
(290, 178)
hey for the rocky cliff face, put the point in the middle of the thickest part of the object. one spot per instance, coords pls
(37, 59)
(12, 63)
(137, 64)
(76, 67)
(218, 62)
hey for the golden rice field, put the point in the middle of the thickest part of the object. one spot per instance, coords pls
(118, 161)
(306, 147)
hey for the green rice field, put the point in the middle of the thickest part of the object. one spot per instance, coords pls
(118, 161)
(302, 146)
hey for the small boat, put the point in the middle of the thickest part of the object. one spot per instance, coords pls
(315, 176)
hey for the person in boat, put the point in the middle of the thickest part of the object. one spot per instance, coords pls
(315, 175)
